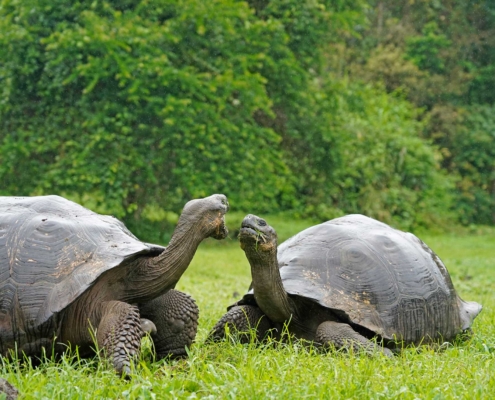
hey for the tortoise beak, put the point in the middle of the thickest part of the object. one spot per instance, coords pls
(222, 231)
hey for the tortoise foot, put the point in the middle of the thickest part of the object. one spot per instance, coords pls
(119, 334)
(342, 336)
(242, 319)
(175, 315)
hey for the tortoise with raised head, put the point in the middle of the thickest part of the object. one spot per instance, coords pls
(68, 274)
(345, 282)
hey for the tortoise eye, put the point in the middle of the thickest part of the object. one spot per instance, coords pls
(262, 222)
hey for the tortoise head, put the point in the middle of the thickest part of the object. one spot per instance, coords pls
(259, 242)
(257, 236)
(209, 213)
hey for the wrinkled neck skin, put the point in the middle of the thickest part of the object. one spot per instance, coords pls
(153, 276)
(269, 290)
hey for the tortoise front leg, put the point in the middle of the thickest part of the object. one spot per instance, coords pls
(342, 336)
(119, 333)
(175, 315)
(242, 319)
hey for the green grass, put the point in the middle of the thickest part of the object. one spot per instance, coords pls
(218, 275)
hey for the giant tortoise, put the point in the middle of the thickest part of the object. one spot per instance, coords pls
(69, 276)
(345, 282)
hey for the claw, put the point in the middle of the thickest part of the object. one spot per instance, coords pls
(148, 326)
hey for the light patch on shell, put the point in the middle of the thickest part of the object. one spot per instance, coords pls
(362, 297)
(312, 275)
(70, 259)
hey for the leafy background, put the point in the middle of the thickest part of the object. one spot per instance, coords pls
(315, 108)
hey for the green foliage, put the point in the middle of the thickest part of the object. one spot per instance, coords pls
(134, 107)
(387, 172)
(441, 55)
(310, 23)
(302, 111)
(474, 157)
(424, 51)
(162, 107)
(481, 87)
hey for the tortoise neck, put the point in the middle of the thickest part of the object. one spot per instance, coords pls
(161, 273)
(174, 260)
(268, 288)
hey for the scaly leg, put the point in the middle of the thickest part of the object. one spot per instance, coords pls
(342, 335)
(175, 315)
(242, 319)
(119, 333)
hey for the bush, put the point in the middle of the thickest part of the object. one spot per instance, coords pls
(139, 103)
(387, 172)
(473, 156)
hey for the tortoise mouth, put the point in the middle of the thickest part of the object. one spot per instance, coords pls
(221, 231)
(247, 234)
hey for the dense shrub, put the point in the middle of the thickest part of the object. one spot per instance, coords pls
(473, 155)
(134, 107)
(387, 170)
(147, 102)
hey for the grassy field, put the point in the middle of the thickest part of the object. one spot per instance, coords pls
(218, 275)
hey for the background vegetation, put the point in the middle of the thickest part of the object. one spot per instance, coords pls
(312, 107)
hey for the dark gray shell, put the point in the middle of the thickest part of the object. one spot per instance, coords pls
(377, 277)
(51, 251)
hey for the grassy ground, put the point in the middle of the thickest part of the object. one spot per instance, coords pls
(218, 275)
